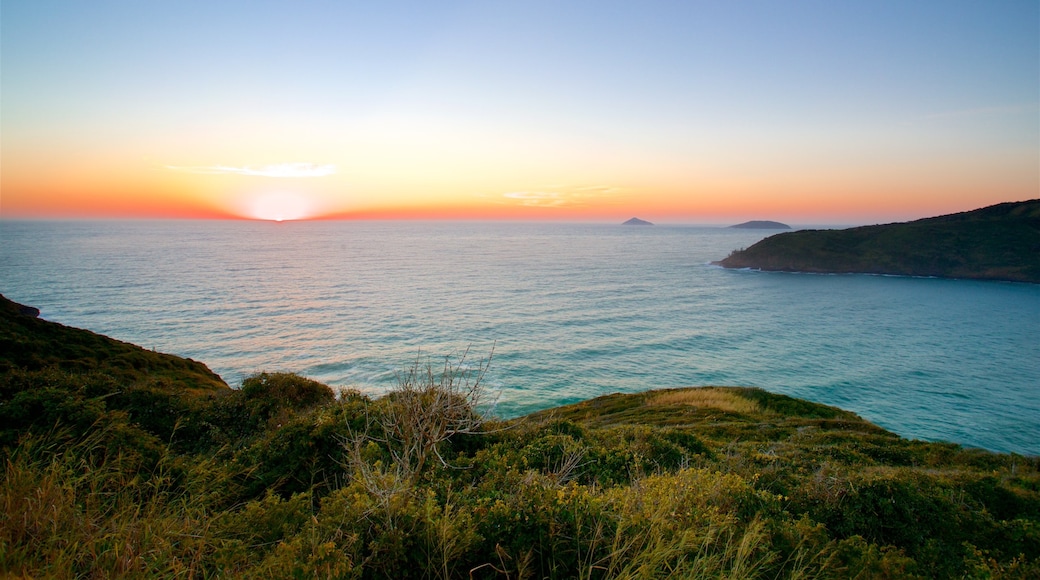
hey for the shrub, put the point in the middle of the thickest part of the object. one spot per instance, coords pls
(302, 455)
(422, 413)
(270, 395)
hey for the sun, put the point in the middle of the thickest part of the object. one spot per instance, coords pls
(280, 206)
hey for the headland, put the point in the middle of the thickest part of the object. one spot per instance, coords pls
(999, 242)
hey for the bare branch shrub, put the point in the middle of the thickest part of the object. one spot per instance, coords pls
(427, 407)
(568, 466)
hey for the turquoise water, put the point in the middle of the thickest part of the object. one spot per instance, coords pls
(571, 312)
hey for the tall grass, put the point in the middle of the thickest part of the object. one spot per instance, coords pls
(73, 510)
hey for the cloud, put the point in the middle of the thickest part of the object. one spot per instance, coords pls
(277, 170)
(590, 190)
(536, 198)
(564, 196)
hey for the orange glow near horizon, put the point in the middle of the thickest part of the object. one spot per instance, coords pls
(406, 172)
(298, 191)
(655, 206)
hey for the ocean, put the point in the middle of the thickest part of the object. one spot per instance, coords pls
(569, 311)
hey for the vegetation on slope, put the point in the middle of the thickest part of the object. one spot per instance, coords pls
(1000, 242)
(30, 343)
(282, 479)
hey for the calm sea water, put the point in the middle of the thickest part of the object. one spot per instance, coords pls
(571, 311)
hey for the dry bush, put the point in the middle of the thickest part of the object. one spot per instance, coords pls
(426, 408)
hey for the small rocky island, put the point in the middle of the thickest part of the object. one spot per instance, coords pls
(761, 225)
(637, 222)
(999, 242)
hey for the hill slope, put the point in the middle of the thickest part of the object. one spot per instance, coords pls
(30, 343)
(1000, 242)
(118, 462)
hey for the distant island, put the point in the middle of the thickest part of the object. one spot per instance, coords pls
(999, 242)
(637, 222)
(762, 225)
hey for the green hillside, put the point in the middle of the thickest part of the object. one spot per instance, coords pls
(1000, 242)
(31, 343)
(122, 463)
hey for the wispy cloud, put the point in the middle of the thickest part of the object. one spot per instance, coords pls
(537, 198)
(597, 190)
(563, 196)
(275, 170)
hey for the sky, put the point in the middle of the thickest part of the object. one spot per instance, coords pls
(678, 112)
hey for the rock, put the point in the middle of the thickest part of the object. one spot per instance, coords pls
(762, 225)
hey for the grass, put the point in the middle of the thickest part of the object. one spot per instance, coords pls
(80, 512)
(707, 397)
(281, 479)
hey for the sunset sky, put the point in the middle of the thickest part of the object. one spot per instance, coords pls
(684, 112)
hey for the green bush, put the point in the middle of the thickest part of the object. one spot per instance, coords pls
(271, 396)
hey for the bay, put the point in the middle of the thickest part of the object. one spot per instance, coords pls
(570, 311)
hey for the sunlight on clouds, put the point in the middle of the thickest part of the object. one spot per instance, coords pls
(536, 198)
(564, 196)
(275, 170)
